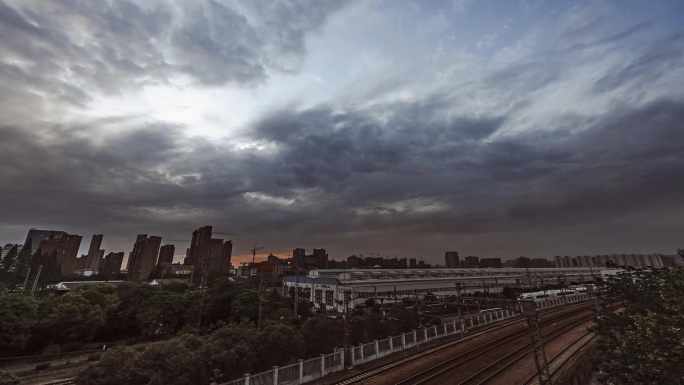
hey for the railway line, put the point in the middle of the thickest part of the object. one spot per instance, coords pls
(558, 362)
(498, 366)
(521, 333)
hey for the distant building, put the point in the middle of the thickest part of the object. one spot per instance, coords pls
(166, 254)
(633, 260)
(112, 264)
(522, 262)
(321, 258)
(60, 244)
(175, 270)
(490, 262)
(471, 262)
(199, 246)
(7, 248)
(451, 260)
(298, 258)
(354, 262)
(208, 254)
(143, 257)
(35, 236)
(333, 264)
(94, 257)
(219, 256)
(541, 262)
(412, 263)
(274, 259)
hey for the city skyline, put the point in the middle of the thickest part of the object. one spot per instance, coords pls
(495, 129)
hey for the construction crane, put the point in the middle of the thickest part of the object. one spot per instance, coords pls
(254, 250)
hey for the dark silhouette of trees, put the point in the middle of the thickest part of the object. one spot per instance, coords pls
(641, 342)
(18, 316)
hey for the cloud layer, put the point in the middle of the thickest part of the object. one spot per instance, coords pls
(557, 137)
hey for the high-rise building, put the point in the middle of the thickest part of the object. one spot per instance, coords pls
(354, 262)
(112, 264)
(94, 257)
(451, 259)
(7, 248)
(143, 257)
(166, 253)
(321, 258)
(490, 262)
(198, 254)
(523, 262)
(35, 236)
(412, 263)
(62, 245)
(208, 254)
(298, 258)
(220, 254)
(471, 262)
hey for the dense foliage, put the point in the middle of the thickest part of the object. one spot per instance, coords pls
(642, 342)
(180, 334)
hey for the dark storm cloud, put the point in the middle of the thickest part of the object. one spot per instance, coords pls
(618, 164)
(349, 173)
(113, 45)
(344, 172)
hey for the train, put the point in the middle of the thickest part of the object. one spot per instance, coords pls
(539, 295)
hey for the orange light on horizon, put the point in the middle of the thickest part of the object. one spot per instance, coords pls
(237, 260)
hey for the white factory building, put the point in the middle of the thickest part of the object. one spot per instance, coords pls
(328, 287)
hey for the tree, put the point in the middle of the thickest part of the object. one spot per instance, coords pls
(18, 316)
(321, 335)
(10, 259)
(641, 343)
(163, 313)
(280, 344)
(8, 378)
(78, 314)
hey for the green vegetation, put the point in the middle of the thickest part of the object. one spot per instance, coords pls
(178, 334)
(18, 317)
(7, 378)
(643, 341)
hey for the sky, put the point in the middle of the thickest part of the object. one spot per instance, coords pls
(398, 128)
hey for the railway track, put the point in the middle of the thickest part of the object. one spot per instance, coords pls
(557, 363)
(500, 366)
(444, 368)
(362, 377)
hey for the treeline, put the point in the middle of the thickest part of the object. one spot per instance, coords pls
(643, 341)
(189, 332)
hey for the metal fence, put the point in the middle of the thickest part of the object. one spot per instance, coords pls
(309, 370)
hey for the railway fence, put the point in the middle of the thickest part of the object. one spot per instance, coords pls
(304, 371)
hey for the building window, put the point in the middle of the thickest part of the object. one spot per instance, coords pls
(328, 298)
(318, 296)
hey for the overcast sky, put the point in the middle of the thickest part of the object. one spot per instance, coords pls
(494, 128)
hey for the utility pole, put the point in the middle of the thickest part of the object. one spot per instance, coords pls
(530, 313)
(347, 338)
(202, 288)
(259, 319)
(296, 300)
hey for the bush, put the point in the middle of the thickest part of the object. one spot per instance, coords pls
(94, 357)
(42, 366)
(8, 378)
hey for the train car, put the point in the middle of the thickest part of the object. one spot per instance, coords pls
(541, 295)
